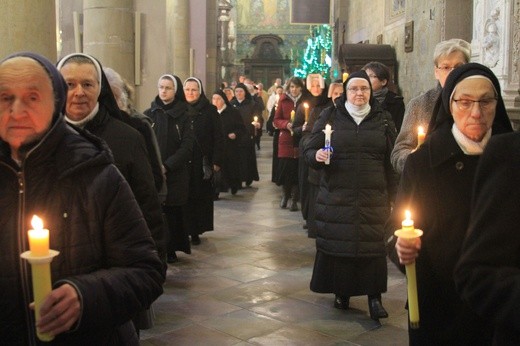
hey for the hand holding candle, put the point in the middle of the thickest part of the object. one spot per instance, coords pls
(328, 148)
(421, 135)
(40, 257)
(255, 123)
(409, 232)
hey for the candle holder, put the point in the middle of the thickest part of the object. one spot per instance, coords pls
(41, 280)
(410, 233)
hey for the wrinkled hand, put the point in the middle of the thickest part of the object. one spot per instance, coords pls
(232, 136)
(322, 155)
(59, 311)
(408, 250)
(289, 126)
(256, 124)
(216, 168)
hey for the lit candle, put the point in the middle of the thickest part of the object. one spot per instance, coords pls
(38, 238)
(292, 120)
(409, 232)
(255, 121)
(345, 76)
(40, 257)
(306, 106)
(328, 132)
(420, 136)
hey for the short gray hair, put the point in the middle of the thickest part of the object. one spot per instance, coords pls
(445, 48)
(118, 87)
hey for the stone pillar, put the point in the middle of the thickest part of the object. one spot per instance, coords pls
(108, 34)
(28, 26)
(178, 42)
(496, 42)
(223, 62)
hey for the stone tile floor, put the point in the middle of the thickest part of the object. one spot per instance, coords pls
(248, 283)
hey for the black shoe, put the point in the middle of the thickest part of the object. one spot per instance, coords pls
(216, 197)
(294, 206)
(248, 183)
(376, 309)
(283, 202)
(234, 190)
(172, 258)
(195, 239)
(341, 302)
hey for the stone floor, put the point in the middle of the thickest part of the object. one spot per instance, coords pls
(248, 283)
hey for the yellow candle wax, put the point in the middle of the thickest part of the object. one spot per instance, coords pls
(42, 286)
(38, 238)
(345, 76)
(306, 106)
(413, 300)
(421, 135)
(292, 116)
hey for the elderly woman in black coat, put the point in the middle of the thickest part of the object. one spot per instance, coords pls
(233, 129)
(175, 139)
(354, 196)
(207, 151)
(436, 187)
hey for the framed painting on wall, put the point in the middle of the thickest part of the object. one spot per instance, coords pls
(394, 10)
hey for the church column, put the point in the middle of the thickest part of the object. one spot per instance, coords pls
(496, 42)
(178, 43)
(28, 26)
(108, 34)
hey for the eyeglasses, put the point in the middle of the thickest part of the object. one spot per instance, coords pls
(445, 68)
(355, 90)
(485, 104)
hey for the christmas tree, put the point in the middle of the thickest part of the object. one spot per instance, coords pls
(316, 58)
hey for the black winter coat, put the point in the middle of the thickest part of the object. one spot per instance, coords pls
(106, 250)
(436, 187)
(248, 109)
(394, 105)
(231, 123)
(131, 158)
(209, 142)
(174, 134)
(357, 187)
(488, 272)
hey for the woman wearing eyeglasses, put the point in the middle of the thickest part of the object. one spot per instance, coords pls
(436, 186)
(354, 196)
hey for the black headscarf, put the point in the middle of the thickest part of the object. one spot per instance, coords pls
(244, 87)
(221, 93)
(359, 74)
(106, 97)
(442, 117)
(203, 100)
(59, 86)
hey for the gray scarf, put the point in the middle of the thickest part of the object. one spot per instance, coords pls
(380, 95)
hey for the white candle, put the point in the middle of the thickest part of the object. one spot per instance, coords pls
(328, 132)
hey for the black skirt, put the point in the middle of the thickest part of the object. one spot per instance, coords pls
(287, 172)
(346, 276)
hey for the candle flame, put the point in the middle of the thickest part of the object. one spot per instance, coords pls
(408, 215)
(305, 105)
(36, 223)
(420, 130)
